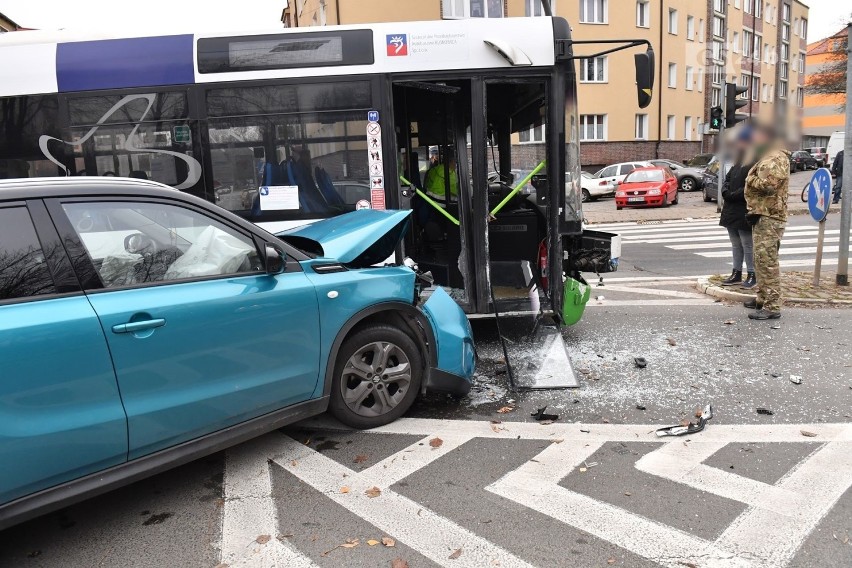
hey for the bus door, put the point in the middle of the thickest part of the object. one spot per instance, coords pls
(432, 125)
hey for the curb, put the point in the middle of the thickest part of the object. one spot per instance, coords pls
(703, 285)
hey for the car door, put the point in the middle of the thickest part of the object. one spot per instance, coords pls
(625, 169)
(610, 174)
(201, 337)
(61, 416)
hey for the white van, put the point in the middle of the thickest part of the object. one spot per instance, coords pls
(835, 144)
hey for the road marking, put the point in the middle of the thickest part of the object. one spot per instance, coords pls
(784, 242)
(614, 303)
(656, 292)
(767, 534)
(788, 251)
(716, 235)
(625, 279)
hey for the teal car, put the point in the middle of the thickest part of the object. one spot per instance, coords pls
(142, 327)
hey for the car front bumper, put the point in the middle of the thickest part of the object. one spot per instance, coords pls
(456, 356)
(649, 201)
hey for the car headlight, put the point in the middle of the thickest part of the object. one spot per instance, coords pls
(654, 192)
(619, 194)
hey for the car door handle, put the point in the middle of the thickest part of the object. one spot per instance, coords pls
(134, 326)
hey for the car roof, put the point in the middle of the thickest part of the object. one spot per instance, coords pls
(28, 188)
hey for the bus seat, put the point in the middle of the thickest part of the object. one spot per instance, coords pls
(326, 186)
(310, 199)
(138, 174)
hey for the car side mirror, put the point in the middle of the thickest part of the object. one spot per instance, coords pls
(618, 182)
(276, 260)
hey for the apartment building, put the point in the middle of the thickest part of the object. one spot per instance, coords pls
(698, 46)
(823, 113)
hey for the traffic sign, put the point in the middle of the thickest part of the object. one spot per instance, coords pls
(819, 194)
(373, 116)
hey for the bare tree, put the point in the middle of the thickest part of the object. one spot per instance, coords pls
(830, 79)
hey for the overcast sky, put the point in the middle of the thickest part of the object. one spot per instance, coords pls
(191, 15)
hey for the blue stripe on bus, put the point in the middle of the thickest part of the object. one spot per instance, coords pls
(120, 63)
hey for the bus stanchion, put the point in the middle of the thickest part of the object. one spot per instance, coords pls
(431, 202)
(517, 188)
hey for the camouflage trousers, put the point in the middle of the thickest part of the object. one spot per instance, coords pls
(767, 241)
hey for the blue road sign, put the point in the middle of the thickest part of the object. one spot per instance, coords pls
(373, 116)
(819, 194)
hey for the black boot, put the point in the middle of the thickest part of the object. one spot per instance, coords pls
(762, 314)
(750, 281)
(753, 305)
(735, 278)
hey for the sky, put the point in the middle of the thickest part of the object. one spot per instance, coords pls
(826, 17)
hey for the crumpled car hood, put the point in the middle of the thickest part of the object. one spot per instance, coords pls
(359, 239)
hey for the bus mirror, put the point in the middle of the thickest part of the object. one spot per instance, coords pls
(644, 76)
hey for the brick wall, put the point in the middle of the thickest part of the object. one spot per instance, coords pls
(595, 155)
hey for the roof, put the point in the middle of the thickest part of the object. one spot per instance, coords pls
(27, 188)
(824, 45)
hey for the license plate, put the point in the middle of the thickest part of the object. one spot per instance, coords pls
(635, 199)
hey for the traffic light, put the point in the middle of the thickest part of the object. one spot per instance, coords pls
(732, 103)
(716, 118)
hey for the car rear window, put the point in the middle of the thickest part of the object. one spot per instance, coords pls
(23, 270)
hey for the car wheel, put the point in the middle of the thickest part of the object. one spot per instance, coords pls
(687, 184)
(676, 198)
(586, 196)
(376, 378)
(665, 200)
(617, 208)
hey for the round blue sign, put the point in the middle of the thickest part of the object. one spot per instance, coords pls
(819, 194)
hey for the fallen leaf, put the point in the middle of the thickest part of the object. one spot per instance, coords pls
(730, 322)
(388, 541)
(350, 543)
(611, 561)
(372, 542)
(399, 563)
(361, 458)
(808, 434)
(263, 539)
(436, 442)
(373, 492)
(628, 493)
(344, 489)
(671, 341)
(505, 409)
(698, 412)
(294, 463)
(583, 470)
(456, 553)
(496, 429)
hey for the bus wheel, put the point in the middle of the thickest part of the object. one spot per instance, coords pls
(376, 377)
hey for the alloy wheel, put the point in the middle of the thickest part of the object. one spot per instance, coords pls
(375, 379)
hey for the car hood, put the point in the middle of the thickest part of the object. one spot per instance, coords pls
(360, 238)
(641, 185)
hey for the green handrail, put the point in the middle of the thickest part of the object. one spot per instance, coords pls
(517, 188)
(431, 202)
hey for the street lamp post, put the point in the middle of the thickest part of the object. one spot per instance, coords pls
(846, 201)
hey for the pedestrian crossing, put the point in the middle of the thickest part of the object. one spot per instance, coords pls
(705, 238)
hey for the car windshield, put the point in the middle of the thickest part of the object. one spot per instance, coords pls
(586, 175)
(641, 176)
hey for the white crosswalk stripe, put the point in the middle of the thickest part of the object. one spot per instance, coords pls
(707, 239)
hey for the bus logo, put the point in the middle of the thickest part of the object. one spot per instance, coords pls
(397, 45)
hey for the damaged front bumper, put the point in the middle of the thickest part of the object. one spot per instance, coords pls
(456, 357)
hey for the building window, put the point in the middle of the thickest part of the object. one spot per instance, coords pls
(690, 78)
(735, 43)
(687, 128)
(718, 74)
(593, 11)
(800, 97)
(672, 21)
(718, 26)
(641, 126)
(700, 81)
(782, 89)
(767, 54)
(593, 127)
(784, 70)
(670, 127)
(719, 6)
(785, 12)
(458, 9)
(764, 94)
(768, 12)
(737, 4)
(701, 30)
(534, 134)
(643, 14)
(690, 28)
(718, 50)
(593, 70)
(801, 62)
(803, 32)
(535, 8)
(755, 88)
(758, 9)
(748, 38)
(673, 75)
(756, 51)
(748, 6)
(785, 52)
(716, 96)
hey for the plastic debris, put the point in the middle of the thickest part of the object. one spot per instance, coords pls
(541, 415)
(765, 411)
(641, 407)
(796, 379)
(640, 362)
(687, 426)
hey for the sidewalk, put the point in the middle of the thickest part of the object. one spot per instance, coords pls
(798, 289)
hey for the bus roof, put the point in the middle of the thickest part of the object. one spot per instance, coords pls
(37, 62)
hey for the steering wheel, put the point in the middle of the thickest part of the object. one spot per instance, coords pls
(140, 243)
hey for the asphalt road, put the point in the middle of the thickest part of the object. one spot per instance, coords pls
(477, 482)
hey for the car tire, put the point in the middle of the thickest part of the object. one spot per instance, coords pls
(665, 201)
(688, 184)
(360, 398)
(707, 198)
(587, 196)
(676, 198)
(617, 208)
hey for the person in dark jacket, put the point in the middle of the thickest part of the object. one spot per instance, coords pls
(837, 172)
(734, 216)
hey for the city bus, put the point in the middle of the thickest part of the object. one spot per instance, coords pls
(291, 126)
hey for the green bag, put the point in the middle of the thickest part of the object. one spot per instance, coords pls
(575, 295)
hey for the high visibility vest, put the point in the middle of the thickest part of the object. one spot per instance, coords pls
(436, 185)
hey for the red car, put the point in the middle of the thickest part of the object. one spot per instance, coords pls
(647, 187)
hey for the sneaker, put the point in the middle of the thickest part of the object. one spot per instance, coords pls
(750, 282)
(762, 314)
(753, 305)
(735, 278)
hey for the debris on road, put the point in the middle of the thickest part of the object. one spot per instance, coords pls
(640, 362)
(505, 409)
(541, 415)
(730, 322)
(361, 458)
(344, 489)
(456, 553)
(372, 542)
(796, 379)
(373, 492)
(765, 411)
(388, 541)
(687, 426)
(436, 442)
(399, 563)
(671, 341)
(263, 539)
(808, 434)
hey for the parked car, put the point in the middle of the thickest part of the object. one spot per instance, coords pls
(594, 187)
(142, 327)
(835, 144)
(688, 178)
(820, 155)
(802, 160)
(353, 191)
(700, 161)
(617, 172)
(711, 185)
(653, 186)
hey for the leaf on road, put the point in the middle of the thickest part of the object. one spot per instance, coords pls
(436, 442)
(350, 543)
(611, 561)
(456, 553)
(671, 341)
(808, 434)
(373, 492)
(372, 542)
(730, 322)
(399, 563)
(263, 539)
(344, 489)
(361, 458)
(388, 541)
(505, 409)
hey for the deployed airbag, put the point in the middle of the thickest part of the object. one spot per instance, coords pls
(214, 252)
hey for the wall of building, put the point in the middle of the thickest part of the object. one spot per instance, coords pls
(822, 114)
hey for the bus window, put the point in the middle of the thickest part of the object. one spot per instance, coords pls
(22, 121)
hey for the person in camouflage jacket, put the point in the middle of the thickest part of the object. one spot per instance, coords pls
(766, 190)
